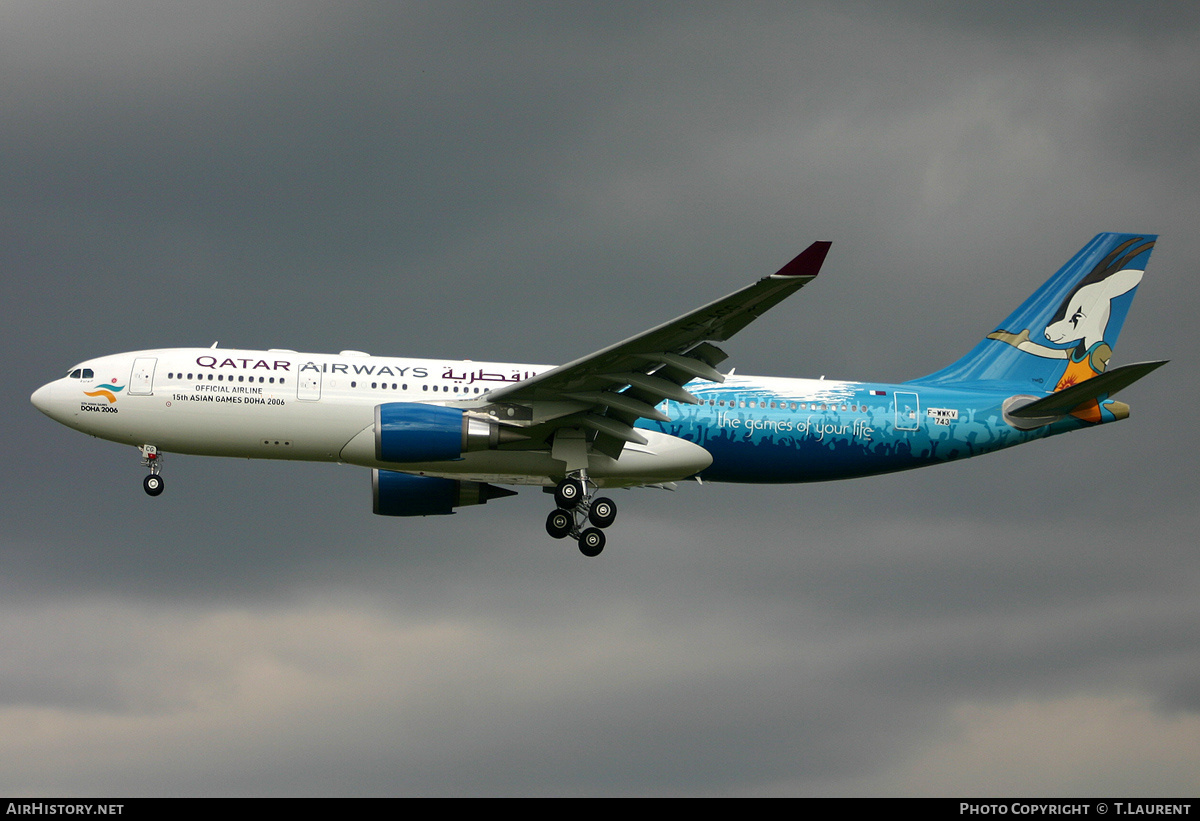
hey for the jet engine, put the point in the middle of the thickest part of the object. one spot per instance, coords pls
(414, 432)
(402, 494)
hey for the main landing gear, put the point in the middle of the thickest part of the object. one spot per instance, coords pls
(576, 508)
(152, 484)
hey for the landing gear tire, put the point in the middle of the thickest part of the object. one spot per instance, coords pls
(153, 484)
(558, 523)
(603, 512)
(591, 542)
(568, 493)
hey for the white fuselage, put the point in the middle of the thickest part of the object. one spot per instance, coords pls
(281, 404)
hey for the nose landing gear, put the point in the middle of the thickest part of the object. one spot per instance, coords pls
(152, 484)
(576, 507)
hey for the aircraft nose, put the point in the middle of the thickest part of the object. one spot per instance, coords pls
(43, 397)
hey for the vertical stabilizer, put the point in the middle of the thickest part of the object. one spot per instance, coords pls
(1065, 333)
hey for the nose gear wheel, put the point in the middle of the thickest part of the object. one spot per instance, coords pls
(152, 459)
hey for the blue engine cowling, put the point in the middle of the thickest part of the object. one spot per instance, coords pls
(413, 432)
(402, 494)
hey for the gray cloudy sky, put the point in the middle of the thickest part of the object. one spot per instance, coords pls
(529, 182)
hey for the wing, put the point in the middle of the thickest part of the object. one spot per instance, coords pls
(603, 394)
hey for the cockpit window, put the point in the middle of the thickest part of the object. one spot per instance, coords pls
(75, 374)
(87, 373)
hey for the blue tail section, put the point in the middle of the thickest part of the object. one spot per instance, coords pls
(1064, 333)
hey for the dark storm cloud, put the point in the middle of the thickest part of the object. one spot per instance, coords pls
(530, 183)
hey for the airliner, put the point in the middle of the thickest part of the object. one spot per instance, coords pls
(653, 410)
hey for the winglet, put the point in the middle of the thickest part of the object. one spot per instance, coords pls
(808, 263)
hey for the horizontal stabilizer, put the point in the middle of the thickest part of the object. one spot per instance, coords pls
(1104, 384)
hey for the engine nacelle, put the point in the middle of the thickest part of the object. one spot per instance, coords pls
(402, 494)
(413, 432)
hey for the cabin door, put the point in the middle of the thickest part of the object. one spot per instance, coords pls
(309, 386)
(908, 410)
(141, 379)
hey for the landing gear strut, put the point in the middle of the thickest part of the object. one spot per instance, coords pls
(152, 484)
(576, 507)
